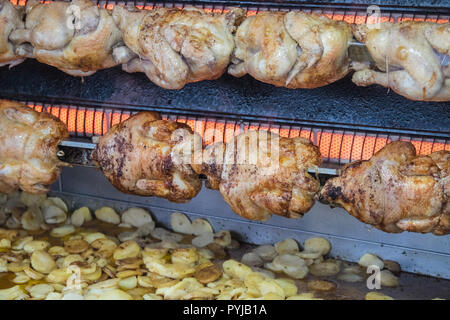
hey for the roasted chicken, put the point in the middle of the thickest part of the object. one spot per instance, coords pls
(260, 174)
(294, 50)
(174, 47)
(410, 57)
(28, 148)
(10, 19)
(396, 190)
(147, 156)
(76, 37)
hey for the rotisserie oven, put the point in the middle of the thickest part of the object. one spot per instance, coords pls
(196, 150)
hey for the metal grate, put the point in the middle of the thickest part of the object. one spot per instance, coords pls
(347, 13)
(336, 146)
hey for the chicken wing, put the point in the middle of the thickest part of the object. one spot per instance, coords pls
(407, 56)
(76, 37)
(10, 19)
(145, 155)
(396, 190)
(28, 147)
(294, 50)
(260, 174)
(174, 47)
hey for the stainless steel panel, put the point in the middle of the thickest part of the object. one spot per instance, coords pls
(419, 253)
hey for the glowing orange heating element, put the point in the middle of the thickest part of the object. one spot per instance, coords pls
(355, 17)
(333, 146)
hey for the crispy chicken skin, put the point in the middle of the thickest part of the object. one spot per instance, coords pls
(260, 174)
(174, 47)
(76, 37)
(294, 50)
(10, 19)
(28, 147)
(144, 155)
(405, 54)
(396, 190)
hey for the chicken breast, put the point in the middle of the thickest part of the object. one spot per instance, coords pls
(294, 50)
(28, 147)
(260, 174)
(174, 47)
(76, 37)
(10, 19)
(147, 156)
(396, 190)
(410, 57)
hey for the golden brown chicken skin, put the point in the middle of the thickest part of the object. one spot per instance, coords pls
(10, 19)
(28, 147)
(406, 56)
(175, 47)
(396, 190)
(76, 37)
(144, 155)
(260, 174)
(294, 50)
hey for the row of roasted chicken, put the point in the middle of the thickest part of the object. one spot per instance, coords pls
(174, 47)
(257, 173)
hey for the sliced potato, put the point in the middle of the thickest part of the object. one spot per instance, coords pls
(252, 259)
(325, 269)
(93, 236)
(62, 231)
(321, 285)
(13, 293)
(31, 220)
(41, 291)
(388, 279)
(222, 238)
(321, 245)
(42, 262)
(76, 246)
(34, 245)
(53, 214)
(21, 278)
(291, 265)
(128, 249)
(208, 274)
(136, 217)
(236, 269)
(200, 226)
(371, 260)
(128, 283)
(108, 215)
(180, 223)
(80, 216)
(288, 245)
(266, 252)
(58, 202)
(288, 285)
(188, 256)
(377, 296)
(303, 296)
(203, 240)
(311, 255)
